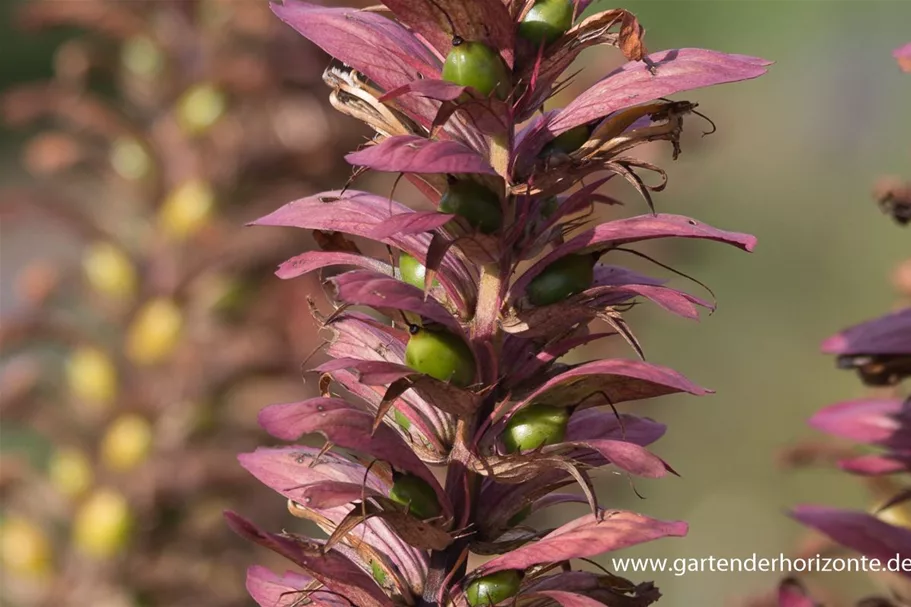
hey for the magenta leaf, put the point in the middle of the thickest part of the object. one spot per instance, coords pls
(621, 380)
(678, 70)
(488, 115)
(618, 275)
(440, 90)
(548, 353)
(858, 531)
(604, 424)
(868, 420)
(353, 37)
(316, 260)
(338, 574)
(412, 154)
(346, 427)
(369, 372)
(438, 21)
(889, 334)
(876, 465)
(586, 537)
(350, 212)
(362, 287)
(635, 229)
(269, 589)
(317, 481)
(358, 336)
(443, 395)
(411, 223)
(627, 456)
(360, 214)
(674, 301)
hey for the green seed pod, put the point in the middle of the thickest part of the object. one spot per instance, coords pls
(493, 588)
(546, 21)
(441, 355)
(566, 276)
(570, 141)
(415, 493)
(476, 65)
(534, 426)
(413, 271)
(474, 202)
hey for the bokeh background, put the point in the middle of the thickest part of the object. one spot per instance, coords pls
(793, 162)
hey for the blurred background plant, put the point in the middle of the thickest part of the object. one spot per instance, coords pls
(867, 437)
(791, 161)
(142, 318)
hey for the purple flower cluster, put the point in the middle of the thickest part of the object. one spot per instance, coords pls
(458, 364)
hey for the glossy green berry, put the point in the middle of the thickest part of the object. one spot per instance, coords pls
(441, 355)
(415, 493)
(413, 271)
(476, 65)
(570, 141)
(546, 21)
(493, 588)
(474, 202)
(566, 276)
(534, 426)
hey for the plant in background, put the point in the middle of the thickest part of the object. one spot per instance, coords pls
(879, 350)
(447, 351)
(153, 146)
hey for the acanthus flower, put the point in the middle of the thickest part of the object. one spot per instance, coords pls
(466, 371)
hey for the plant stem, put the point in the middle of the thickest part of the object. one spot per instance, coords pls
(499, 155)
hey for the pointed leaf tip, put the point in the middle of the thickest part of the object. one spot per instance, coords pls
(412, 154)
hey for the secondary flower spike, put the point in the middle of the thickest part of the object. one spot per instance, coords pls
(460, 365)
(879, 351)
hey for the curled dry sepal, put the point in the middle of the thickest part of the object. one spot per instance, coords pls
(461, 367)
(879, 350)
